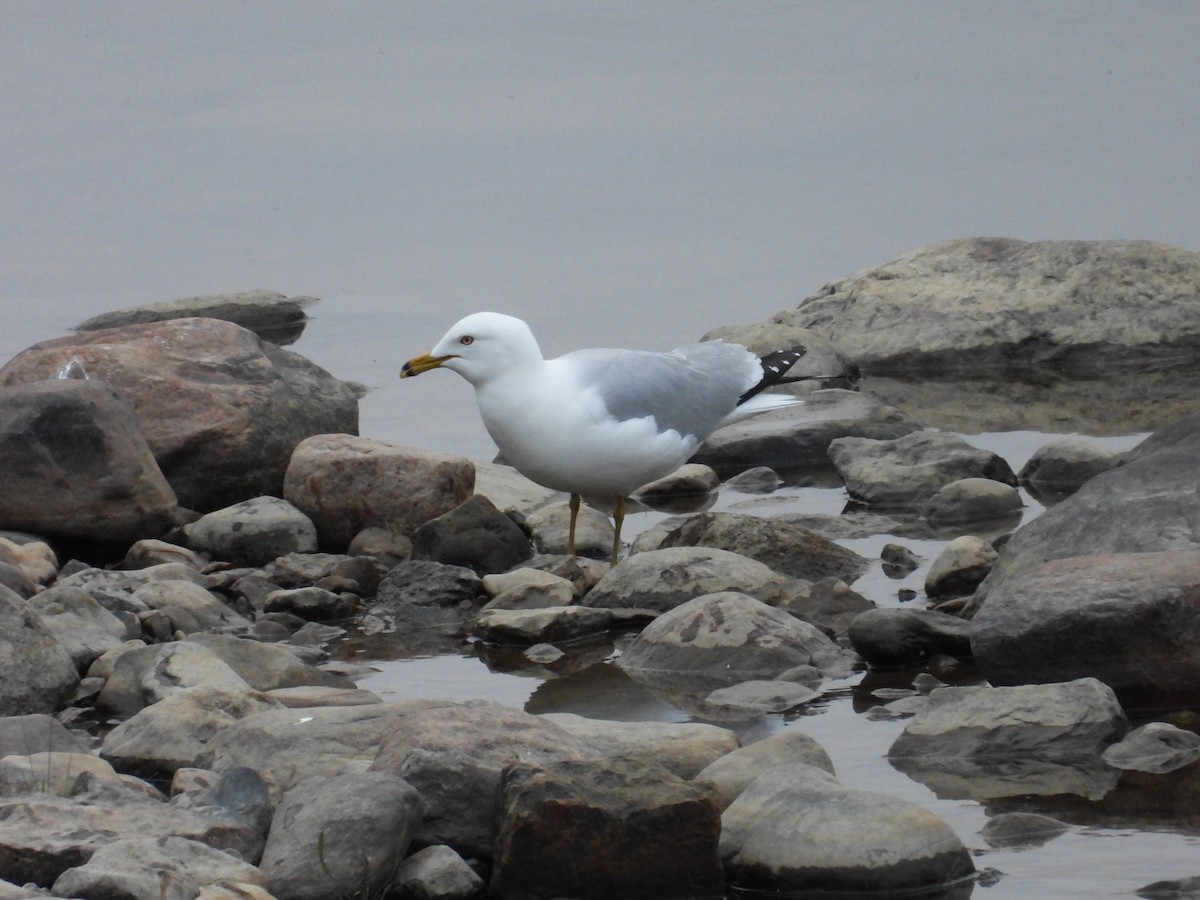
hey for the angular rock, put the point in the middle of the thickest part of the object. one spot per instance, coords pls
(273, 317)
(972, 500)
(733, 772)
(960, 567)
(683, 748)
(797, 828)
(169, 867)
(474, 535)
(908, 471)
(557, 625)
(346, 483)
(36, 671)
(144, 676)
(76, 462)
(437, 873)
(253, 532)
(83, 627)
(788, 549)
(1000, 304)
(1157, 748)
(724, 638)
(799, 437)
(454, 758)
(1121, 617)
(221, 409)
(656, 581)
(340, 836)
(891, 637)
(1063, 465)
(602, 830)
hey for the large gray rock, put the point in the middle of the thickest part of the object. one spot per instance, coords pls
(167, 867)
(454, 757)
(656, 581)
(1062, 466)
(273, 317)
(83, 627)
(144, 676)
(908, 471)
(288, 745)
(985, 742)
(76, 462)
(221, 409)
(724, 638)
(267, 667)
(799, 437)
(1131, 620)
(992, 303)
(340, 836)
(789, 549)
(732, 773)
(616, 828)
(796, 828)
(1149, 503)
(253, 532)
(346, 484)
(36, 671)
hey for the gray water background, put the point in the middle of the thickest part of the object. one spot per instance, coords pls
(622, 174)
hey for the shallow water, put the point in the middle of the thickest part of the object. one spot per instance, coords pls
(621, 174)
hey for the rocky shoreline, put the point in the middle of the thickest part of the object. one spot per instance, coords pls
(189, 519)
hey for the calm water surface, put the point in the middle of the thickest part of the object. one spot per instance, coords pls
(622, 174)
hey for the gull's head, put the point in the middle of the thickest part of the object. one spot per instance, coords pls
(479, 348)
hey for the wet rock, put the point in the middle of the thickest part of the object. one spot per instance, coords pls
(960, 567)
(799, 437)
(174, 732)
(454, 758)
(682, 748)
(601, 830)
(474, 535)
(1062, 466)
(898, 561)
(551, 526)
(724, 638)
(346, 483)
(77, 463)
(221, 409)
(749, 699)
(288, 745)
(253, 532)
(1157, 748)
(759, 480)
(788, 549)
(36, 671)
(797, 828)
(169, 867)
(733, 772)
(1149, 503)
(660, 580)
(437, 873)
(1000, 304)
(1022, 830)
(557, 625)
(84, 628)
(830, 604)
(688, 480)
(1177, 889)
(49, 772)
(890, 637)
(336, 837)
(908, 471)
(972, 500)
(1072, 720)
(1117, 617)
(271, 316)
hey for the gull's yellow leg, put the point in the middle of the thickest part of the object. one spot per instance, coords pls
(618, 518)
(574, 505)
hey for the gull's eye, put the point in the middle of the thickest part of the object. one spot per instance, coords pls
(466, 340)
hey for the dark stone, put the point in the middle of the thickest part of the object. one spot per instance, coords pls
(474, 534)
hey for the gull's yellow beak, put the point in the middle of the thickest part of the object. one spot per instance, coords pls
(422, 363)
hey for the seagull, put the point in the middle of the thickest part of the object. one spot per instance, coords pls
(602, 423)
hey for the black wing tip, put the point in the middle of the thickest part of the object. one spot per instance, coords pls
(775, 366)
